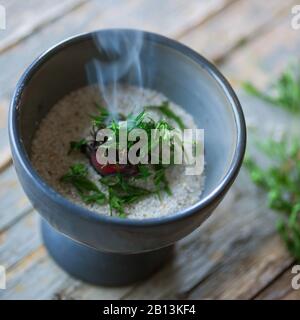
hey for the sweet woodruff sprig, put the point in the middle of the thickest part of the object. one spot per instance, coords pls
(120, 180)
(281, 179)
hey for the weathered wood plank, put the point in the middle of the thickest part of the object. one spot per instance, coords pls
(5, 158)
(258, 62)
(19, 241)
(226, 247)
(234, 25)
(37, 277)
(235, 233)
(24, 17)
(246, 274)
(281, 288)
(33, 278)
(266, 57)
(76, 290)
(13, 202)
(98, 14)
(31, 273)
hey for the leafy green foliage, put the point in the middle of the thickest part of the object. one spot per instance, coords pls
(77, 145)
(281, 179)
(88, 191)
(160, 179)
(165, 109)
(122, 189)
(285, 90)
(122, 192)
(99, 120)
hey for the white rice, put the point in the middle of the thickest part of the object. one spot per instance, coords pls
(69, 120)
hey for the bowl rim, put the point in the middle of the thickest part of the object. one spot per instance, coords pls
(206, 202)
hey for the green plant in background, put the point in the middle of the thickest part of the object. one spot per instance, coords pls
(281, 179)
(285, 92)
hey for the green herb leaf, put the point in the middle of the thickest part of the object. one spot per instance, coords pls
(77, 145)
(121, 192)
(281, 180)
(165, 109)
(122, 189)
(285, 90)
(144, 172)
(100, 119)
(160, 180)
(88, 190)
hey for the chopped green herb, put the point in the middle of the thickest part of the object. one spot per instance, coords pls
(165, 109)
(122, 189)
(160, 180)
(144, 172)
(88, 191)
(100, 119)
(77, 145)
(121, 192)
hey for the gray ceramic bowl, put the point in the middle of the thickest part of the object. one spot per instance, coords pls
(110, 250)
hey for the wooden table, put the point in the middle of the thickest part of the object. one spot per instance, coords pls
(237, 252)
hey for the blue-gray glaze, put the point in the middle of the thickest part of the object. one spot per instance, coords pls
(183, 76)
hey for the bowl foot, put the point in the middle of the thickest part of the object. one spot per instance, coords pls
(101, 268)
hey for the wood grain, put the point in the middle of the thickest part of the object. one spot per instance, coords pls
(5, 157)
(236, 253)
(281, 288)
(266, 57)
(13, 201)
(235, 25)
(31, 273)
(226, 252)
(259, 62)
(19, 241)
(141, 14)
(24, 17)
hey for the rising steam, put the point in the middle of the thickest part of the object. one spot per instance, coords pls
(120, 60)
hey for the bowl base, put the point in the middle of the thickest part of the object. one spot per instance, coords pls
(101, 268)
